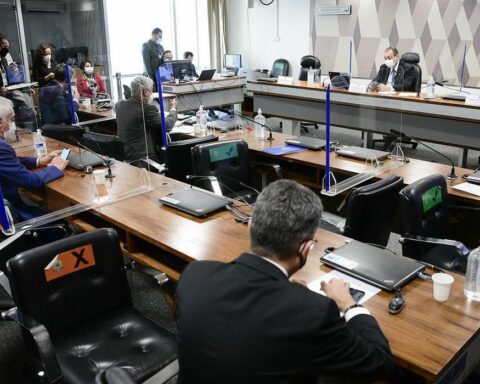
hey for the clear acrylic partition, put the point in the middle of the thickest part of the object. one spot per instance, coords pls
(374, 114)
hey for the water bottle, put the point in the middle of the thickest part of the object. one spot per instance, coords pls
(39, 143)
(259, 125)
(472, 278)
(311, 75)
(202, 119)
(430, 87)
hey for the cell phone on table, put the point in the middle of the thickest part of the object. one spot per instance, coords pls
(65, 153)
(356, 294)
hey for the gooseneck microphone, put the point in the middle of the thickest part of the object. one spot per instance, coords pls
(400, 135)
(442, 84)
(105, 159)
(269, 138)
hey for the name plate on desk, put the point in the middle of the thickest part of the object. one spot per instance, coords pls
(472, 100)
(358, 88)
(285, 80)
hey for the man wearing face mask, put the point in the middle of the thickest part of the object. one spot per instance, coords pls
(54, 99)
(246, 322)
(152, 52)
(394, 74)
(14, 170)
(5, 50)
(138, 117)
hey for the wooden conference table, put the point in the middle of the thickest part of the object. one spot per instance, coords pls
(438, 121)
(438, 341)
(308, 167)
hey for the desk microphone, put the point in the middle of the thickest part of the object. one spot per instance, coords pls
(269, 138)
(108, 162)
(400, 135)
(442, 84)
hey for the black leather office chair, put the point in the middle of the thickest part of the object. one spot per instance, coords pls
(413, 59)
(370, 212)
(106, 145)
(280, 67)
(127, 92)
(114, 375)
(77, 316)
(178, 156)
(307, 62)
(425, 222)
(70, 134)
(229, 162)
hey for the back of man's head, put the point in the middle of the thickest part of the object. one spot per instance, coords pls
(139, 84)
(286, 214)
(61, 73)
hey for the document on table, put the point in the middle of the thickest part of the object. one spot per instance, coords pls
(369, 290)
(473, 189)
(407, 94)
(387, 93)
(182, 129)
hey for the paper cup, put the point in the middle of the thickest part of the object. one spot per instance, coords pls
(196, 129)
(99, 175)
(442, 283)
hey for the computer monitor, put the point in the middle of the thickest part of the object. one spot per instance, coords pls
(180, 69)
(233, 61)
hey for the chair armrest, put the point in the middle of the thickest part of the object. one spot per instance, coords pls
(275, 167)
(460, 247)
(160, 277)
(334, 220)
(42, 342)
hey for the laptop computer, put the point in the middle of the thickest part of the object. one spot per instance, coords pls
(362, 153)
(83, 159)
(307, 142)
(195, 201)
(474, 177)
(206, 74)
(373, 265)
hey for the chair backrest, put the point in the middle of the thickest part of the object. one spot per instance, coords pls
(106, 145)
(371, 210)
(228, 161)
(127, 92)
(280, 67)
(70, 134)
(68, 282)
(307, 62)
(424, 211)
(178, 156)
(413, 59)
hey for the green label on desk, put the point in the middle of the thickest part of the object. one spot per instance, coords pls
(223, 153)
(431, 198)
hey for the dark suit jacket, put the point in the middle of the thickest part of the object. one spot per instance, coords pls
(244, 322)
(54, 104)
(404, 78)
(130, 127)
(152, 53)
(14, 173)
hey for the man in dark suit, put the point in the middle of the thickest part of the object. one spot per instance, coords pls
(138, 118)
(245, 322)
(54, 99)
(152, 52)
(14, 171)
(394, 74)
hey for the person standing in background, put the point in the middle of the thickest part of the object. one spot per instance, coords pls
(152, 52)
(43, 64)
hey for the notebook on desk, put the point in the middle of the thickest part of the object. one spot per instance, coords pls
(373, 265)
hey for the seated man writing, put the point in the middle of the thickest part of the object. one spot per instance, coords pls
(246, 322)
(14, 170)
(138, 119)
(394, 74)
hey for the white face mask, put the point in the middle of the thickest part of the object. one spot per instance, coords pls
(47, 58)
(10, 134)
(88, 70)
(159, 40)
(390, 63)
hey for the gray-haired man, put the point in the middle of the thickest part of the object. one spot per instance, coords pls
(245, 322)
(138, 119)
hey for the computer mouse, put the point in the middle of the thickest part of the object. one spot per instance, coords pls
(396, 304)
